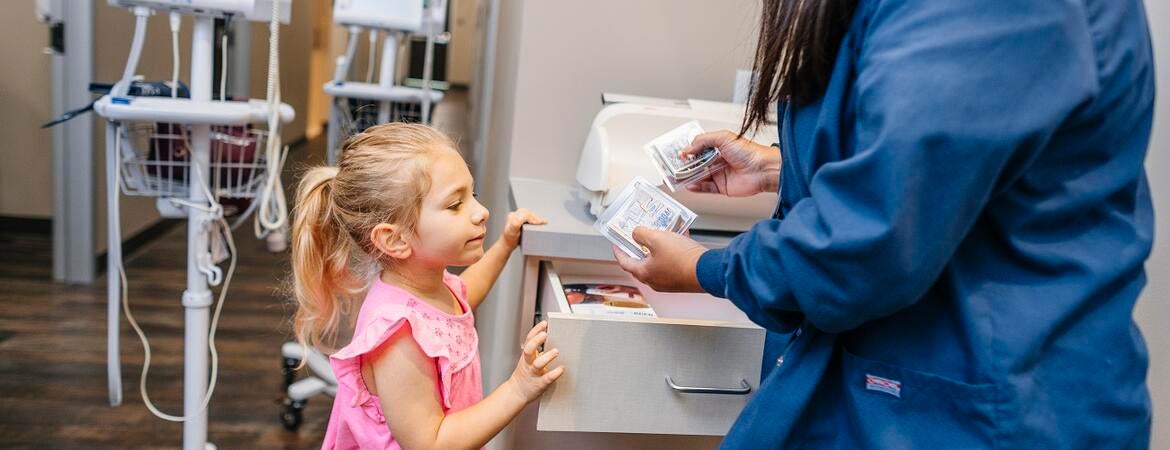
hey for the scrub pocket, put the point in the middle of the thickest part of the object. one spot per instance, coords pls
(894, 407)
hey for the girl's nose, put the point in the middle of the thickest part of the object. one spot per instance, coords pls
(481, 214)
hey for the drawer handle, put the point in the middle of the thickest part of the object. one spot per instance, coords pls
(744, 389)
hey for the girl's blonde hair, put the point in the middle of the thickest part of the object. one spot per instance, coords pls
(382, 178)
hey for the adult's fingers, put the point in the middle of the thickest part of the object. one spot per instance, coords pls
(705, 187)
(706, 140)
(624, 261)
(647, 237)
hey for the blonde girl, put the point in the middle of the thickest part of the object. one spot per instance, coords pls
(383, 227)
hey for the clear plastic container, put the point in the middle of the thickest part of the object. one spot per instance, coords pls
(641, 204)
(678, 172)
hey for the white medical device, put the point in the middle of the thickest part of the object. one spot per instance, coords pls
(254, 10)
(188, 153)
(403, 15)
(394, 19)
(613, 156)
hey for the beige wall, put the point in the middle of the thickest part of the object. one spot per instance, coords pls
(571, 52)
(1153, 310)
(320, 69)
(26, 153)
(465, 32)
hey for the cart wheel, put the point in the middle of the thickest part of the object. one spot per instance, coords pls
(289, 370)
(292, 413)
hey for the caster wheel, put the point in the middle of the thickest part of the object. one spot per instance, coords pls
(292, 413)
(289, 370)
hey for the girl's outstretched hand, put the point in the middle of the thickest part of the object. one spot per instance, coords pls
(515, 225)
(532, 376)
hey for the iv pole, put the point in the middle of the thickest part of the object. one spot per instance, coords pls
(197, 297)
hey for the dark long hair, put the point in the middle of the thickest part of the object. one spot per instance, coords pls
(794, 57)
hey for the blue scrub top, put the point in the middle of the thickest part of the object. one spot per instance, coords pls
(960, 242)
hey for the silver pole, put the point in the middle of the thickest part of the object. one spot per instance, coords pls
(113, 278)
(386, 72)
(197, 298)
(73, 169)
(429, 57)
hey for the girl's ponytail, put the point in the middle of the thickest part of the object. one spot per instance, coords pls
(321, 251)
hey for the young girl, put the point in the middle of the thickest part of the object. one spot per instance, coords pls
(388, 221)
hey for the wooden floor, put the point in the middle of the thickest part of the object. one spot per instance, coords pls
(52, 356)
(53, 346)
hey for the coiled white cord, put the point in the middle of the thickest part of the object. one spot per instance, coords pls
(273, 210)
(223, 62)
(176, 20)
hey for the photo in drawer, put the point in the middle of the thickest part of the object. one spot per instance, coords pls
(665, 305)
(607, 299)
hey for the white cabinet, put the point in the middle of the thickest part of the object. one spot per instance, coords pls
(689, 371)
(617, 389)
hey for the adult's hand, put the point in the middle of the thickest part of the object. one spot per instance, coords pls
(751, 167)
(670, 263)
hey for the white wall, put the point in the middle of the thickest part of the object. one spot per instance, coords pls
(1153, 310)
(26, 153)
(573, 51)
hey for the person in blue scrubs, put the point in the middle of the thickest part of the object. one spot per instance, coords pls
(962, 227)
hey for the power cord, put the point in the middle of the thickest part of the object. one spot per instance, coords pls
(221, 227)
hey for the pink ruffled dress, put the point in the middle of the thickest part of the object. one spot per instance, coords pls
(357, 421)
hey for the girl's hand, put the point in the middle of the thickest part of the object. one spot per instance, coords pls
(516, 221)
(532, 376)
(751, 168)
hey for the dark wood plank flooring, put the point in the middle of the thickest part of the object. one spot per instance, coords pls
(53, 348)
(52, 353)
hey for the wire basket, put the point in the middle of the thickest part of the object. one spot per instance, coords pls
(155, 160)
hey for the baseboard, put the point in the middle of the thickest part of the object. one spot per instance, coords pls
(299, 142)
(138, 240)
(26, 225)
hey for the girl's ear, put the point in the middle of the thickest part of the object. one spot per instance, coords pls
(390, 240)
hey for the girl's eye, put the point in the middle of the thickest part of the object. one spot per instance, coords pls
(455, 206)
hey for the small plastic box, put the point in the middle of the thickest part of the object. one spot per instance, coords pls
(641, 204)
(678, 172)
